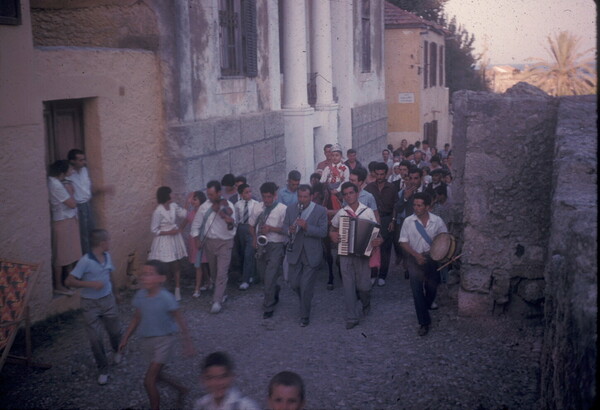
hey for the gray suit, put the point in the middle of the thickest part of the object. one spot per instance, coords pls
(306, 255)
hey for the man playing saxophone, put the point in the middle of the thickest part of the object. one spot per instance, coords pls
(307, 226)
(270, 240)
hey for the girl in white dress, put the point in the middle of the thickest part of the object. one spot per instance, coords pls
(168, 245)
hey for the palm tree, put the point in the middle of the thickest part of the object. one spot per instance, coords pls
(565, 74)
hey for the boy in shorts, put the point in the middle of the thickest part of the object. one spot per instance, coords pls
(286, 392)
(92, 275)
(218, 377)
(159, 320)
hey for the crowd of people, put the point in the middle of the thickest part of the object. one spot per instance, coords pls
(287, 233)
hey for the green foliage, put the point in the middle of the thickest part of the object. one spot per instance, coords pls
(566, 73)
(428, 9)
(461, 73)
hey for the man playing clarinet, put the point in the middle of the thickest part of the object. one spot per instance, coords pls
(356, 274)
(306, 224)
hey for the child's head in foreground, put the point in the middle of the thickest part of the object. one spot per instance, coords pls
(154, 274)
(286, 391)
(217, 374)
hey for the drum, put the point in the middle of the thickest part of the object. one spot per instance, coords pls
(443, 247)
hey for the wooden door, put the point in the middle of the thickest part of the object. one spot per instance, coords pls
(64, 128)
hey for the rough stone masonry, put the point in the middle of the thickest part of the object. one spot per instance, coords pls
(526, 190)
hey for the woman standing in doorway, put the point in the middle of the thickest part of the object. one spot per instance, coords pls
(66, 245)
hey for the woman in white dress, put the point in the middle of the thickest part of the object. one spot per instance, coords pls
(168, 245)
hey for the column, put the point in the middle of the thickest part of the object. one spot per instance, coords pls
(299, 121)
(321, 50)
(321, 59)
(294, 54)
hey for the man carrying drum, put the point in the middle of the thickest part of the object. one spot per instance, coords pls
(416, 236)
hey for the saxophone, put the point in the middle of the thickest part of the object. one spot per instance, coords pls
(261, 240)
(292, 236)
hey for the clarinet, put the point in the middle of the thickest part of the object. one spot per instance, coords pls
(292, 235)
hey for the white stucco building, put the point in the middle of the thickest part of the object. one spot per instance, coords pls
(175, 93)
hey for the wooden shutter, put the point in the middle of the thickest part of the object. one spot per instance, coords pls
(441, 69)
(433, 64)
(433, 133)
(425, 64)
(249, 38)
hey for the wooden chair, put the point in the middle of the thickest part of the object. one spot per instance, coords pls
(17, 280)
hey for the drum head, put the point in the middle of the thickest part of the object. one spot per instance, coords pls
(442, 247)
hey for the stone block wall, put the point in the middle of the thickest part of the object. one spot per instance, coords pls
(571, 306)
(97, 23)
(369, 130)
(250, 145)
(503, 150)
(526, 184)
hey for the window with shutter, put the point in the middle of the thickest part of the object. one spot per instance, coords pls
(237, 23)
(10, 12)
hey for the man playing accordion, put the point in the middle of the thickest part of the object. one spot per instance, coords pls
(356, 273)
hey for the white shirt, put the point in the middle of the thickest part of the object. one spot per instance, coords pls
(253, 208)
(216, 227)
(82, 184)
(163, 220)
(233, 400)
(57, 195)
(410, 234)
(329, 177)
(275, 218)
(364, 211)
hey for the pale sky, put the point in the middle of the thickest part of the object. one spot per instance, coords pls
(517, 29)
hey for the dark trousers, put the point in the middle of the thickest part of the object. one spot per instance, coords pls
(270, 269)
(386, 246)
(424, 281)
(86, 225)
(302, 281)
(246, 251)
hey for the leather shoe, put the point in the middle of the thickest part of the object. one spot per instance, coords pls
(304, 322)
(423, 330)
(268, 315)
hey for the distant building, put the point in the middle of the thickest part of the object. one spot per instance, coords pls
(415, 68)
(500, 78)
(175, 93)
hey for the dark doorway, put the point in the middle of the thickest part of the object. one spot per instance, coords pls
(63, 127)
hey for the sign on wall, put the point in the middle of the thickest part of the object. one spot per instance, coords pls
(406, 98)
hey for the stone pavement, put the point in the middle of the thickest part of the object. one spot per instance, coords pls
(463, 363)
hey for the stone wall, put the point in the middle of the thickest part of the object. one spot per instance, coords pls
(250, 145)
(94, 23)
(526, 168)
(571, 306)
(503, 149)
(369, 130)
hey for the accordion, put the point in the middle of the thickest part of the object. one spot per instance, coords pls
(356, 236)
